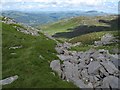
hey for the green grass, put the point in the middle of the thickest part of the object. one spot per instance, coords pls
(33, 71)
(91, 37)
(87, 47)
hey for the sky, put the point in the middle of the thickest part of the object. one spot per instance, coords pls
(110, 6)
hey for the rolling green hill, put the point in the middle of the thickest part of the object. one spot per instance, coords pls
(82, 22)
(30, 61)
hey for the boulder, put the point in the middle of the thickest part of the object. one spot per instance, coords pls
(111, 82)
(55, 65)
(107, 38)
(59, 50)
(109, 66)
(68, 70)
(8, 80)
(103, 71)
(93, 67)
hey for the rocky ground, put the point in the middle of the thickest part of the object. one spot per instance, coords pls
(90, 69)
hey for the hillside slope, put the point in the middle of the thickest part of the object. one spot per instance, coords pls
(29, 57)
(69, 28)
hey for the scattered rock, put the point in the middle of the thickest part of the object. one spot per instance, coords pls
(106, 39)
(91, 69)
(8, 80)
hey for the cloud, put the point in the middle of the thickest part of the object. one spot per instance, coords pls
(60, 4)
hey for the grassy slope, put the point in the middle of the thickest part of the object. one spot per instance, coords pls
(33, 70)
(63, 25)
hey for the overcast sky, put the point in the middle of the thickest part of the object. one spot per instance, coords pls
(61, 5)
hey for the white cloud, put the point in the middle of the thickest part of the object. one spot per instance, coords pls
(57, 3)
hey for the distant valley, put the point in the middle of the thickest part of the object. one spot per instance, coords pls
(40, 18)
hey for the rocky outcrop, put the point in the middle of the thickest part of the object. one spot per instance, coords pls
(20, 27)
(28, 30)
(105, 40)
(91, 69)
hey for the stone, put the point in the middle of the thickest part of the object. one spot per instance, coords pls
(91, 51)
(82, 65)
(55, 65)
(111, 81)
(103, 71)
(115, 50)
(68, 70)
(8, 80)
(115, 60)
(81, 84)
(84, 73)
(110, 67)
(93, 67)
(75, 72)
(59, 50)
(95, 55)
(98, 83)
(107, 38)
(64, 57)
(97, 43)
(91, 79)
(90, 85)
(76, 44)
(101, 57)
(74, 60)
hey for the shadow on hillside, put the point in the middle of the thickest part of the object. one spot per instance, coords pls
(84, 29)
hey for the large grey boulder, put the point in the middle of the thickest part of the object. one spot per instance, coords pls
(55, 65)
(111, 81)
(107, 38)
(110, 67)
(8, 80)
(115, 60)
(70, 71)
(93, 67)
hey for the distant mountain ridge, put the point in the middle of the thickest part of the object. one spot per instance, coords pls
(39, 18)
